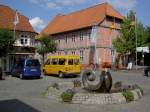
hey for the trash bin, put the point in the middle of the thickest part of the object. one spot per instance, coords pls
(1, 73)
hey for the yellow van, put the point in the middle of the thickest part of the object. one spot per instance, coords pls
(62, 65)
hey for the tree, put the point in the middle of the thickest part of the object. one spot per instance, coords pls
(47, 45)
(126, 42)
(148, 35)
(6, 42)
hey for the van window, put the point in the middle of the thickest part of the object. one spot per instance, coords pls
(54, 61)
(62, 61)
(76, 61)
(32, 63)
(70, 62)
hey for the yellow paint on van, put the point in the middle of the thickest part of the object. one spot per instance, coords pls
(65, 64)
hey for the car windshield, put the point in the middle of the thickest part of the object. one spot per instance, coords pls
(32, 63)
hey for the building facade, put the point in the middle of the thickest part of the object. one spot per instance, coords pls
(24, 35)
(78, 33)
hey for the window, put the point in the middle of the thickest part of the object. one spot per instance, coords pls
(81, 55)
(66, 52)
(70, 62)
(54, 61)
(81, 35)
(22, 41)
(73, 38)
(25, 41)
(73, 53)
(62, 61)
(66, 39)
(89, 35)
(32, 63)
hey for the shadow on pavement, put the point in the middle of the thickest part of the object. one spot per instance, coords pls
(15, 105)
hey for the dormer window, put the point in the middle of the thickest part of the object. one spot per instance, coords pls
(22, 41)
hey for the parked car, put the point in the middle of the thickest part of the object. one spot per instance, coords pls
(147, 71)
(27, 68)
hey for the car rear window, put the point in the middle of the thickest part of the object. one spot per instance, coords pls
(32, 63)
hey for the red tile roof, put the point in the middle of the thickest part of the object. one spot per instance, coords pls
(7, 16)
(81, 19)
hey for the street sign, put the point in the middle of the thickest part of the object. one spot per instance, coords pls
(142, 49)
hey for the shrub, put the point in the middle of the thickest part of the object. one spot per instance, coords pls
(67, 95)
(142, 90)
(128, 95)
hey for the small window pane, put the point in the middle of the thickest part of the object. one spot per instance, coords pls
(70, 62)
(62, 61)
(22, 41)
(54, 61)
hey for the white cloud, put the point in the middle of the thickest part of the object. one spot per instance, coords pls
(123, 4)
(37, 23)
(51, 5)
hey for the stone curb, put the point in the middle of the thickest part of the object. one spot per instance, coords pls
(94, 98)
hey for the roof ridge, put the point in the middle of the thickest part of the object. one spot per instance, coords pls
(84, 9)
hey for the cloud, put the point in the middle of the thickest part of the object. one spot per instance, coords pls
(37, 23)
(123, 4)
(51, 5)
(70, 2)
(56, 4)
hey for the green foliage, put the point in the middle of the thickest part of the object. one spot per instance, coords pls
(6, 42)
(67, 95)
(126, 42)
(47, 45)
(142, 90)
(128, 95)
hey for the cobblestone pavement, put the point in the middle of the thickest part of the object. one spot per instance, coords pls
(27, 95)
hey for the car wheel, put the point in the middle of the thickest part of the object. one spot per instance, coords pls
(61, 75)
(21, 76)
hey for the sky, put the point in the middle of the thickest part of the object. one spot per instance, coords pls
(41, 12)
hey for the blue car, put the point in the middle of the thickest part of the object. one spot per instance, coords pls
(27, 68)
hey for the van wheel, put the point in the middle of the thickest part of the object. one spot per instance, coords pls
(21, 76)
(61, 75)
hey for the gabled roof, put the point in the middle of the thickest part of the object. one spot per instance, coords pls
(81, 19)
(7, 16)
